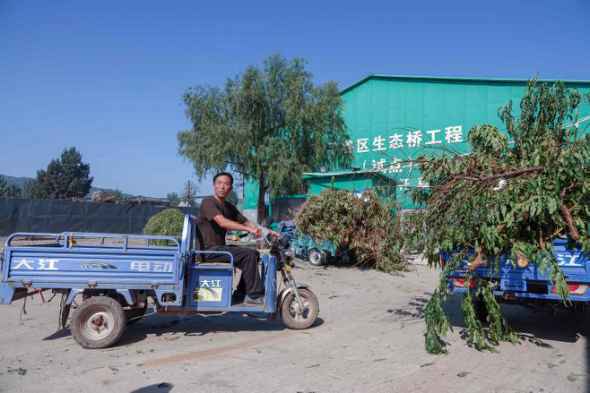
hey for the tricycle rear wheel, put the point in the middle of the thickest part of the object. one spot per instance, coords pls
(293, 317)
(98, 322)
(317, 257)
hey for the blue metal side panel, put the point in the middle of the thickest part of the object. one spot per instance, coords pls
(269, 270)
(6, 293)
(573, 262)
(38, 265)
(210, 287)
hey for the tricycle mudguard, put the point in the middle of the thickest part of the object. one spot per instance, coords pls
(286, 291)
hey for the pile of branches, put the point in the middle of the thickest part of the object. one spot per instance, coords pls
(365, 226)
(514, 194)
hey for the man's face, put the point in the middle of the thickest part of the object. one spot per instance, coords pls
(222, 186)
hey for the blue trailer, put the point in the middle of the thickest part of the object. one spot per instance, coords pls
(107, 283)
(524, 282)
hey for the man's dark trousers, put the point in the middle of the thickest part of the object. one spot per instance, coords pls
(246, 259)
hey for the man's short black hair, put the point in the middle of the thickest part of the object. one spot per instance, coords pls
(231, 178)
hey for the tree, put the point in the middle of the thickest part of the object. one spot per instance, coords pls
(8, 191)
(119, 196)
(512, 195)
(168, 222)
(173, 198)
(364, 226)
(65, 178)
(233, 197)
(3, 187)
(27, 191)
(189, 193)
(269, 124)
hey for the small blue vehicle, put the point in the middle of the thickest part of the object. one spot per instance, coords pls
(316, 253)
(523, 282)
(107, 285)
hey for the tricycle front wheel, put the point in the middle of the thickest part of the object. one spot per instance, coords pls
(296, 318)
(98, 322)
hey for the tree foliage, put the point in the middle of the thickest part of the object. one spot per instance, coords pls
(514, 194)
(365, 226)
(173, 198)
(8, 191)
(65, 178)
(269, 124)
(28, 189)
(189, 194)
(168, 222)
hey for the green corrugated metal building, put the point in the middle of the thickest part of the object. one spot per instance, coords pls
(394, 119)
(356, 181)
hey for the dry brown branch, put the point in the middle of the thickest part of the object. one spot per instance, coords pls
(567, 214)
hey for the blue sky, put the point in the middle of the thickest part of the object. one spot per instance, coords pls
(107, 76)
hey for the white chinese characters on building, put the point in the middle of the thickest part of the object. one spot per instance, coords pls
(411, 139)
(414, 138)
(362, 145)
(396, 141)
(434, 138)
(379, 143)
(454, 134)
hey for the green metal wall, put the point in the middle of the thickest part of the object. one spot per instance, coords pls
(395, 119)
(250, 194)
(317, 185)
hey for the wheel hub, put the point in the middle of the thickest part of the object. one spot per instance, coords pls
(296, 311)
(99, 325)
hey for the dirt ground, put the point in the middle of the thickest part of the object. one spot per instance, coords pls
(369, 339)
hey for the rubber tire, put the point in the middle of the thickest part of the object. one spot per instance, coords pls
(313, 306)
(135, 313)
(316, 257)
(86, 309)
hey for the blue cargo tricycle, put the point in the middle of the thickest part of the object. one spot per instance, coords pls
(523, 282)
(107, 279)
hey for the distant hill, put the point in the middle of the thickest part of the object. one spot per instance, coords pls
(17, 181)
(20, 182)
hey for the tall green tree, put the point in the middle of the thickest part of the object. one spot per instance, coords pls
(514, 194)
(8, 191)
(173, 199)
(65, 178)
(28, 189)
(270, 124)
(189, 194)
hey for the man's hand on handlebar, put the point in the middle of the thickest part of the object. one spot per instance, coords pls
(257, 232)
(260, 232)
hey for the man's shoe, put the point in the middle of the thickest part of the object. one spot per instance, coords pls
(254, 300)
(237, 297)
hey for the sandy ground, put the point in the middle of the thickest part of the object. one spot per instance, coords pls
(369, 339)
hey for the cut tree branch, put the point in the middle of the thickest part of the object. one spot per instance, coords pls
(504, 175)
(567, 215)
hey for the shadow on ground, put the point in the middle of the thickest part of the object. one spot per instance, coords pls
(163, 387)
(539, 325)
(175, 327)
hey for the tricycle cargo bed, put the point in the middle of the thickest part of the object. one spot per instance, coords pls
(92, 260)
(526, 280)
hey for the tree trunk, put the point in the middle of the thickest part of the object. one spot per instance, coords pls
(261, 208)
